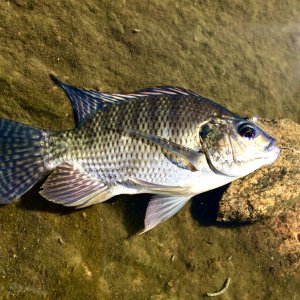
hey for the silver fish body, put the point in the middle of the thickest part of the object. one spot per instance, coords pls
(170, 142)
(107, 148)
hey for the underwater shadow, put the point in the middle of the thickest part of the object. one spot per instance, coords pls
(205, 208)
(33, 201)
(133, 208)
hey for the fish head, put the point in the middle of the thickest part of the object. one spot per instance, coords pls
(235, 146)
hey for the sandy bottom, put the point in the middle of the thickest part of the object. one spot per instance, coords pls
(245, 56)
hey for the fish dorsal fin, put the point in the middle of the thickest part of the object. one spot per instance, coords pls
(161, 90)
(68, 186)
(86, 102)
(162, 208)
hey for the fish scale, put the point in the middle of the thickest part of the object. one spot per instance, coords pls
(167, 141)
(96, 139)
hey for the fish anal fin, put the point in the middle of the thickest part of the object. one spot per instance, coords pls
(162, 208)
(68, 186)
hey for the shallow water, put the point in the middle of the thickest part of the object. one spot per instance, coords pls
(245, 56)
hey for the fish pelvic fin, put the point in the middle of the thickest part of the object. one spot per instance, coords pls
(69, 186)
(161, 208)
(22, 153)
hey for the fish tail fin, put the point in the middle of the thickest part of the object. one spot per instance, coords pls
(22, 158)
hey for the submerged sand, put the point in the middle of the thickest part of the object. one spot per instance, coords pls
(243, 54)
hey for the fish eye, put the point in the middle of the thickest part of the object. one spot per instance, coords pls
(247, 131)
(205, 130)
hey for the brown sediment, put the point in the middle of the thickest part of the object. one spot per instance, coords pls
(280, 235)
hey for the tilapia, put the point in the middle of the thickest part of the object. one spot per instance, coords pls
(167, 141)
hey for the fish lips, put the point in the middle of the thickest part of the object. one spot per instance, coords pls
(271, 146)
(272, 151)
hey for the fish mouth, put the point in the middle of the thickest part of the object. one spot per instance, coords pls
(271, 146)
(272, 151)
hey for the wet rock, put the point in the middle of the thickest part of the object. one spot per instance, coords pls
(271, 190)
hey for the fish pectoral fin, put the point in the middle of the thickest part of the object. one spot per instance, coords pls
(192, 156)
(159, 188)
(162, 208)
(68, 186)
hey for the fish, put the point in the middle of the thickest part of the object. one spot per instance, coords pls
(167, 141)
